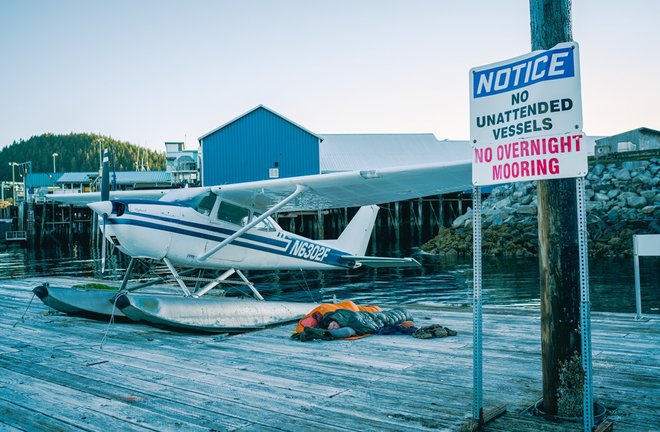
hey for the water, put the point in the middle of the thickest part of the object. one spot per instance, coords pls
(440, 281)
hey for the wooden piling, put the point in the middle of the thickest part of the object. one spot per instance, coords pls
(558, 250)
(70, 224)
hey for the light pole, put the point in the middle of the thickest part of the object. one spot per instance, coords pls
(54, 156)
(13, 180)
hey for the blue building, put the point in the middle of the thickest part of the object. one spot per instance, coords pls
(258, 145)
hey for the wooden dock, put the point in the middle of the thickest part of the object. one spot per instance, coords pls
(66, 373)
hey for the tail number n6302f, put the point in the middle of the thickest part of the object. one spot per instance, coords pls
(309, 251)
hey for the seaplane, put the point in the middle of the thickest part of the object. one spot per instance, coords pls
(225, 230)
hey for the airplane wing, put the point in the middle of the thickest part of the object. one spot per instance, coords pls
(351, 189)
(81, 199)
(321, 191)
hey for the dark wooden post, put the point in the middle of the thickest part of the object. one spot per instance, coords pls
(70, 225)
(558, 251)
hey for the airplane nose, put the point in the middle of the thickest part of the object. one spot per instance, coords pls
(101, 207)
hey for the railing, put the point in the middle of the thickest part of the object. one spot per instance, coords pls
(643, 245)
(15, 236)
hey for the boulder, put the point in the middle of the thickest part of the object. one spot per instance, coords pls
(613, 216)
(601, 197)
(527, 210)
(598, 169)
(643, 178)
(627, 194)
(527, 199)
(649, 194)
(506, 202)
(594, 205)
(461, 220)
(649, 209)
(613, 193)
(636, 202)
(622, 174)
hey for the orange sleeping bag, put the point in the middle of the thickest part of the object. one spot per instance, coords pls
(310, 320)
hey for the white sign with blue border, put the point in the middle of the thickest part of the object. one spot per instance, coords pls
(526, 118)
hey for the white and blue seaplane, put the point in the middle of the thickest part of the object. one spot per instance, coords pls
(229, 229)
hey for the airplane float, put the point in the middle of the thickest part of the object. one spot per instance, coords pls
(229, 229)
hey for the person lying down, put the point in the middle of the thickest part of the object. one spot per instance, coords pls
(346, 320)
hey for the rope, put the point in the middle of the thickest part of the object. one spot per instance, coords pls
(22, 318)
(112, 319)
(309, 291)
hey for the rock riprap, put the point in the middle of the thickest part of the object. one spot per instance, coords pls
(623, 199)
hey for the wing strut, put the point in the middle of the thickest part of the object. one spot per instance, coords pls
(254, 222)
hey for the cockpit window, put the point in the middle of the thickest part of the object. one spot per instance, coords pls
(202, 203)
(264, 225)
(206, 204)
(232, 213)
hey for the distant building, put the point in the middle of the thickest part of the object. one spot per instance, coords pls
(182, 164)
(131, 180)
(72, 182)
(352, 152)
(39, 185)
(634, 140)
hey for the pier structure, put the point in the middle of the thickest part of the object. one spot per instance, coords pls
(59, 372)
(399, 224)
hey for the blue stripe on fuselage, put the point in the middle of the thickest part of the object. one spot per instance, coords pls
(227, 232)
(150, 202)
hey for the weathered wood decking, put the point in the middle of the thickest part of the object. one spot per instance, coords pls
(59, 373)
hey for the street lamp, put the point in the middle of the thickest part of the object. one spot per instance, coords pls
(54, 156)
(13, 180)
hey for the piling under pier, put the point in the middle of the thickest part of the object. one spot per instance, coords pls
(66, 373)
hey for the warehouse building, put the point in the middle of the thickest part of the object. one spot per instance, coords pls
(640, 139)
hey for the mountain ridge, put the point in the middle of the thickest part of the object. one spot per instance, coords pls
(76, 152)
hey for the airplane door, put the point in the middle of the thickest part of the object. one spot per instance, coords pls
(229, 218)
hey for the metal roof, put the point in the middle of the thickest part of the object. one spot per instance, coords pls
(252, 110)
(138, 177)
(349, 152)
(77, 177)
(41, 179)
(123, 177)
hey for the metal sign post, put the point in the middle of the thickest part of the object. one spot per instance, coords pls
(477, 377)
(585, 307)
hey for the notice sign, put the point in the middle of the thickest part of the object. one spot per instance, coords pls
(526, 118)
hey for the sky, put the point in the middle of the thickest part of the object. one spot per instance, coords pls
(150, 71)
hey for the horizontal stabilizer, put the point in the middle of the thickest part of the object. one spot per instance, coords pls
(379, 262)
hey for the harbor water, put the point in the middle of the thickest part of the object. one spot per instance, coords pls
(440, 280)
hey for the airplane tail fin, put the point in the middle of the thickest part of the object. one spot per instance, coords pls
(355, 237)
